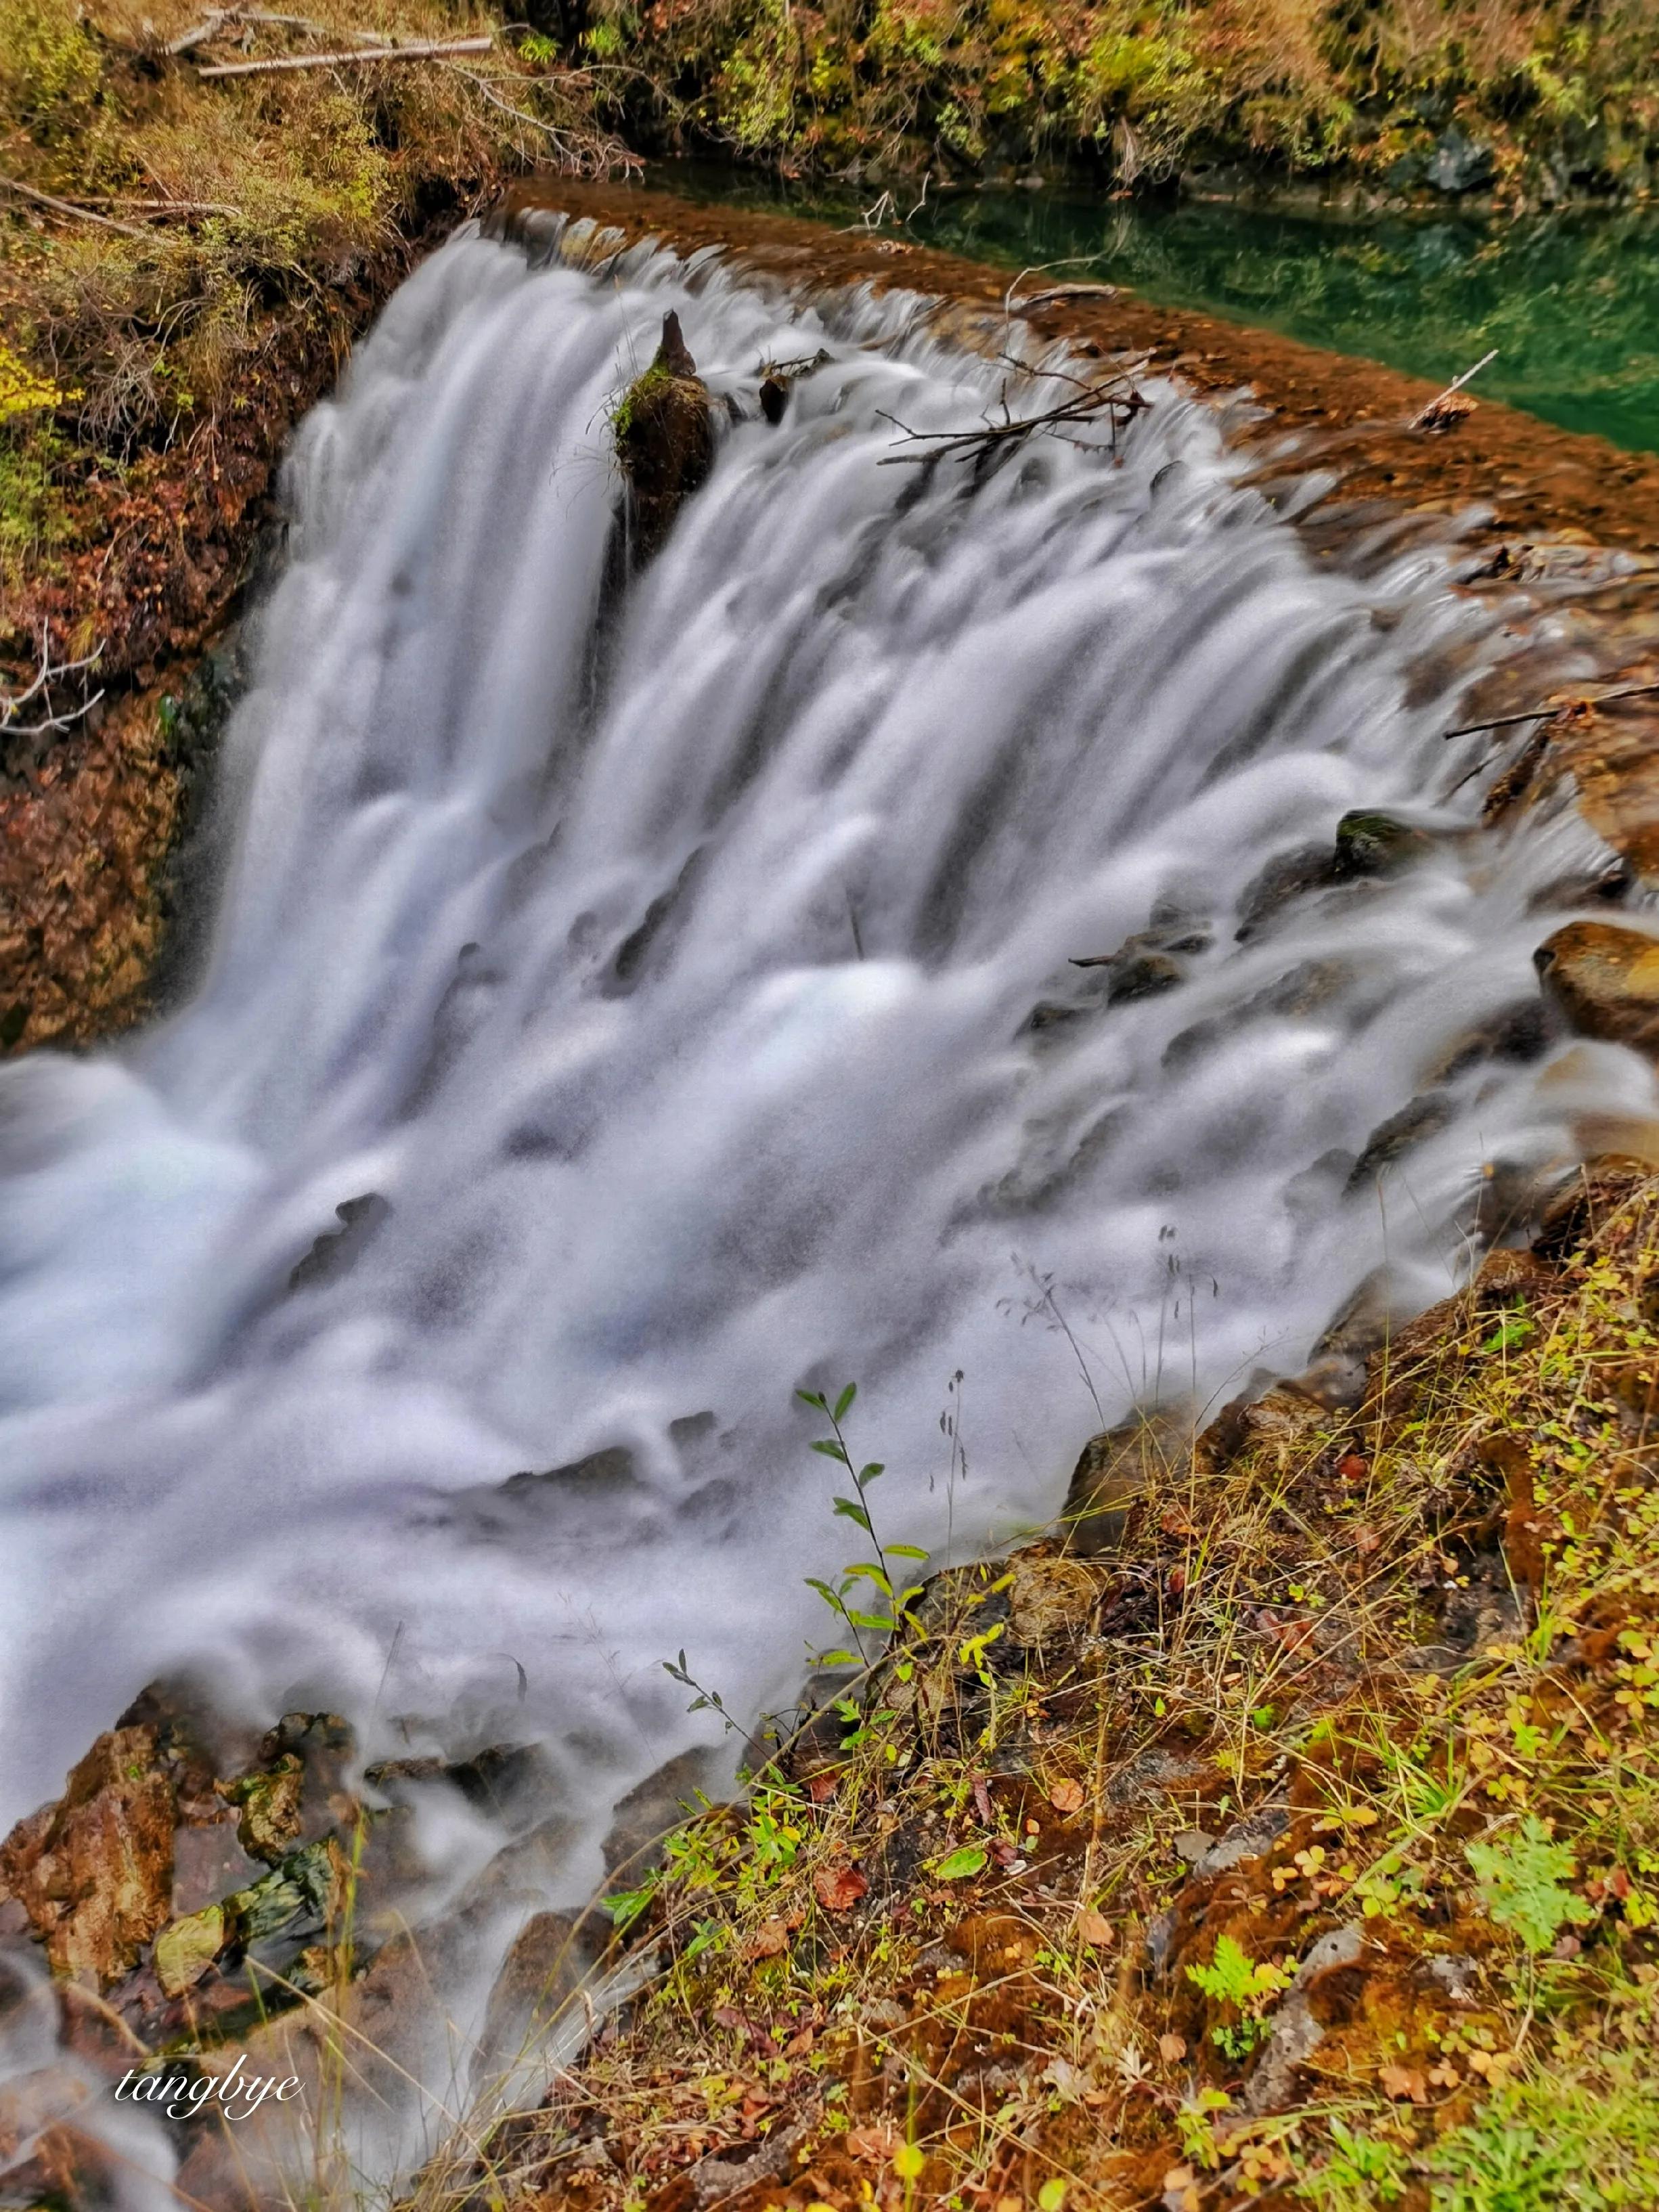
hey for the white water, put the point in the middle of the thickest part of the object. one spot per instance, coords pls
(996, 729)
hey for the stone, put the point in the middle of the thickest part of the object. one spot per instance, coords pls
(186, 1949)
(94, 1872)
(651, 1808)
(664, 440)
(1459, 163)
(1286, 876)
(1604, 979)
(1418, 1120)
(1114, 1470)
(1373, 844)
(1297, 2034)
(268, 1801)
(551, 1958)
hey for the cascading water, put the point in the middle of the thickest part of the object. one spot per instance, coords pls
(668, 984)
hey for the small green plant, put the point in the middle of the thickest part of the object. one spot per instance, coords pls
(1362, 2171)
(862, 1617)
(1522, 1880)
(1233, 1977)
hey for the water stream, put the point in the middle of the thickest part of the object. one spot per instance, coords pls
(667, 980)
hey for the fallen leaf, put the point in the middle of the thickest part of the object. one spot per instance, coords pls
(1066, 1797)
(821, 1787)
(960, 1864)
(769, 1939)
(982, 1799)
(798, 2046)
(1179, 2177)
(875, 2142)
(838, 1889)
(1352, 1467)
(1095, 1927)
(1401, 2081)
(1172, 2049)
(1365, 1541)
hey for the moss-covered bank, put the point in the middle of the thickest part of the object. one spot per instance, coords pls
(1539, 99)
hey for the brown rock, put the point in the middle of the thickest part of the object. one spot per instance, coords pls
(95, 1871)
(551, 1956)
(1605, 979)
(1115, 1469)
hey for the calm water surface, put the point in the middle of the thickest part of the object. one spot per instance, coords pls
(1571, 300)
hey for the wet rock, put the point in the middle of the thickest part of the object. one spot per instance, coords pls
(1519, 1032)
(551, 1957)
(1573, 1214)
(95, 1871)
(1374, 844)
(336, 1250)
(1459, 163)
(1414, 1124)
(1286, 876)
(1299, 991)
(1604, 978)
(1280, 1421)
(1114, 1470)
(1336, 1372)
(186, 1949)
(513, 1784)
(268, 1803)
(1152, 961)
(779, 378)
(664, 438)
(651, 1808)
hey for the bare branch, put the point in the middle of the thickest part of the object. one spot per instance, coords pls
(1551, 714)
(49, 672)
(1438, 414)
(69, 208)
(357, 56)
(1117, 402)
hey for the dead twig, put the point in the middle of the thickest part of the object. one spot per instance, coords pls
(355, 57)
(1055, 293)
(1087, 405)
(68, 207)
(49, 672)
(1438, 414)
(1550, 713)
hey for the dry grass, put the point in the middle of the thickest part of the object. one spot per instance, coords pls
(230, 236)
(1402, 1661)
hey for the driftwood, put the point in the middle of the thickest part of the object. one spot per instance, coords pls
(1087, 404)
(355, 57)
(1439, 414)
(1549, 714)
(1055, 293)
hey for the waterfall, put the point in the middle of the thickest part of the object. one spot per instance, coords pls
(619, 1016)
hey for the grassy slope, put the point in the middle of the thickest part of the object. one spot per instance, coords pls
(1559, 89)
(964, 1960)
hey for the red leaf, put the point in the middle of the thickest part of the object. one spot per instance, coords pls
(838, 1889)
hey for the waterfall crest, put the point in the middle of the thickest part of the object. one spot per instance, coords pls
(613, 1026)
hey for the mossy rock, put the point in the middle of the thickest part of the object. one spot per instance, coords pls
(665, 437)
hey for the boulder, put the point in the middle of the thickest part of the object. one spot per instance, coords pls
(1369, 843)
(1114, 1470)
(664, 438)
(1604, 979)
(94, 1872)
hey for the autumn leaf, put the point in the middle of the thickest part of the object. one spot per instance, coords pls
(838, 1889)
(821, 1786)
(1066, 1797)
(1402, 2082)
(1095, 1927)
(1172, 2049)
(769, 1939)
